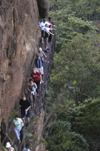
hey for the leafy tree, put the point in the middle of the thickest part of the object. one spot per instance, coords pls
(74, 89)
(68, 24)
(88, 9)
(61, 138)
(86, 121)
(74, 78)
(79, 67)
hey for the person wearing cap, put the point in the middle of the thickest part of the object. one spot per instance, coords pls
(42, 26)
(38, 65)
(9, 147)
(41, 53)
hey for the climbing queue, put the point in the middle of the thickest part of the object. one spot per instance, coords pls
(33, 86)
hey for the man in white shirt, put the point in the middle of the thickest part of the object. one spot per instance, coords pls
(42, 25)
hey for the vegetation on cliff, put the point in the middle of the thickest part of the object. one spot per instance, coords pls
(73, 93)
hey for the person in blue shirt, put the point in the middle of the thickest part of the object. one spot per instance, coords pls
(38, 65)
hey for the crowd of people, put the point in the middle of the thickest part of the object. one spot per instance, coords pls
(46, 32)
(33, 86)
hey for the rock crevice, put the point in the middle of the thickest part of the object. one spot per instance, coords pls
(43, 6)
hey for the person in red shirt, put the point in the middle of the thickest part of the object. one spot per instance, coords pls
(36, 76)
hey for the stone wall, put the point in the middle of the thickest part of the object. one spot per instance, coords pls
(19, 41)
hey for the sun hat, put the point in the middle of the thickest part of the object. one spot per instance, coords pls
(8, 145)
(40, 49)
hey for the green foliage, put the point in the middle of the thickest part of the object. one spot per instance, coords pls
(62, 139)
(12, 115)
(3, 148)
(73, 81)
(74, 89)
(68, 24)
(79, 67)
(85, 120)
(87, 117)
(29, 134)
(58, 4)
(87, 9)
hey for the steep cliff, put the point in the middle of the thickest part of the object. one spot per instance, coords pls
(19, 41)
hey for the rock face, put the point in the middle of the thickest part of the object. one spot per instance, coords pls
(19, 41)
(43, 8)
